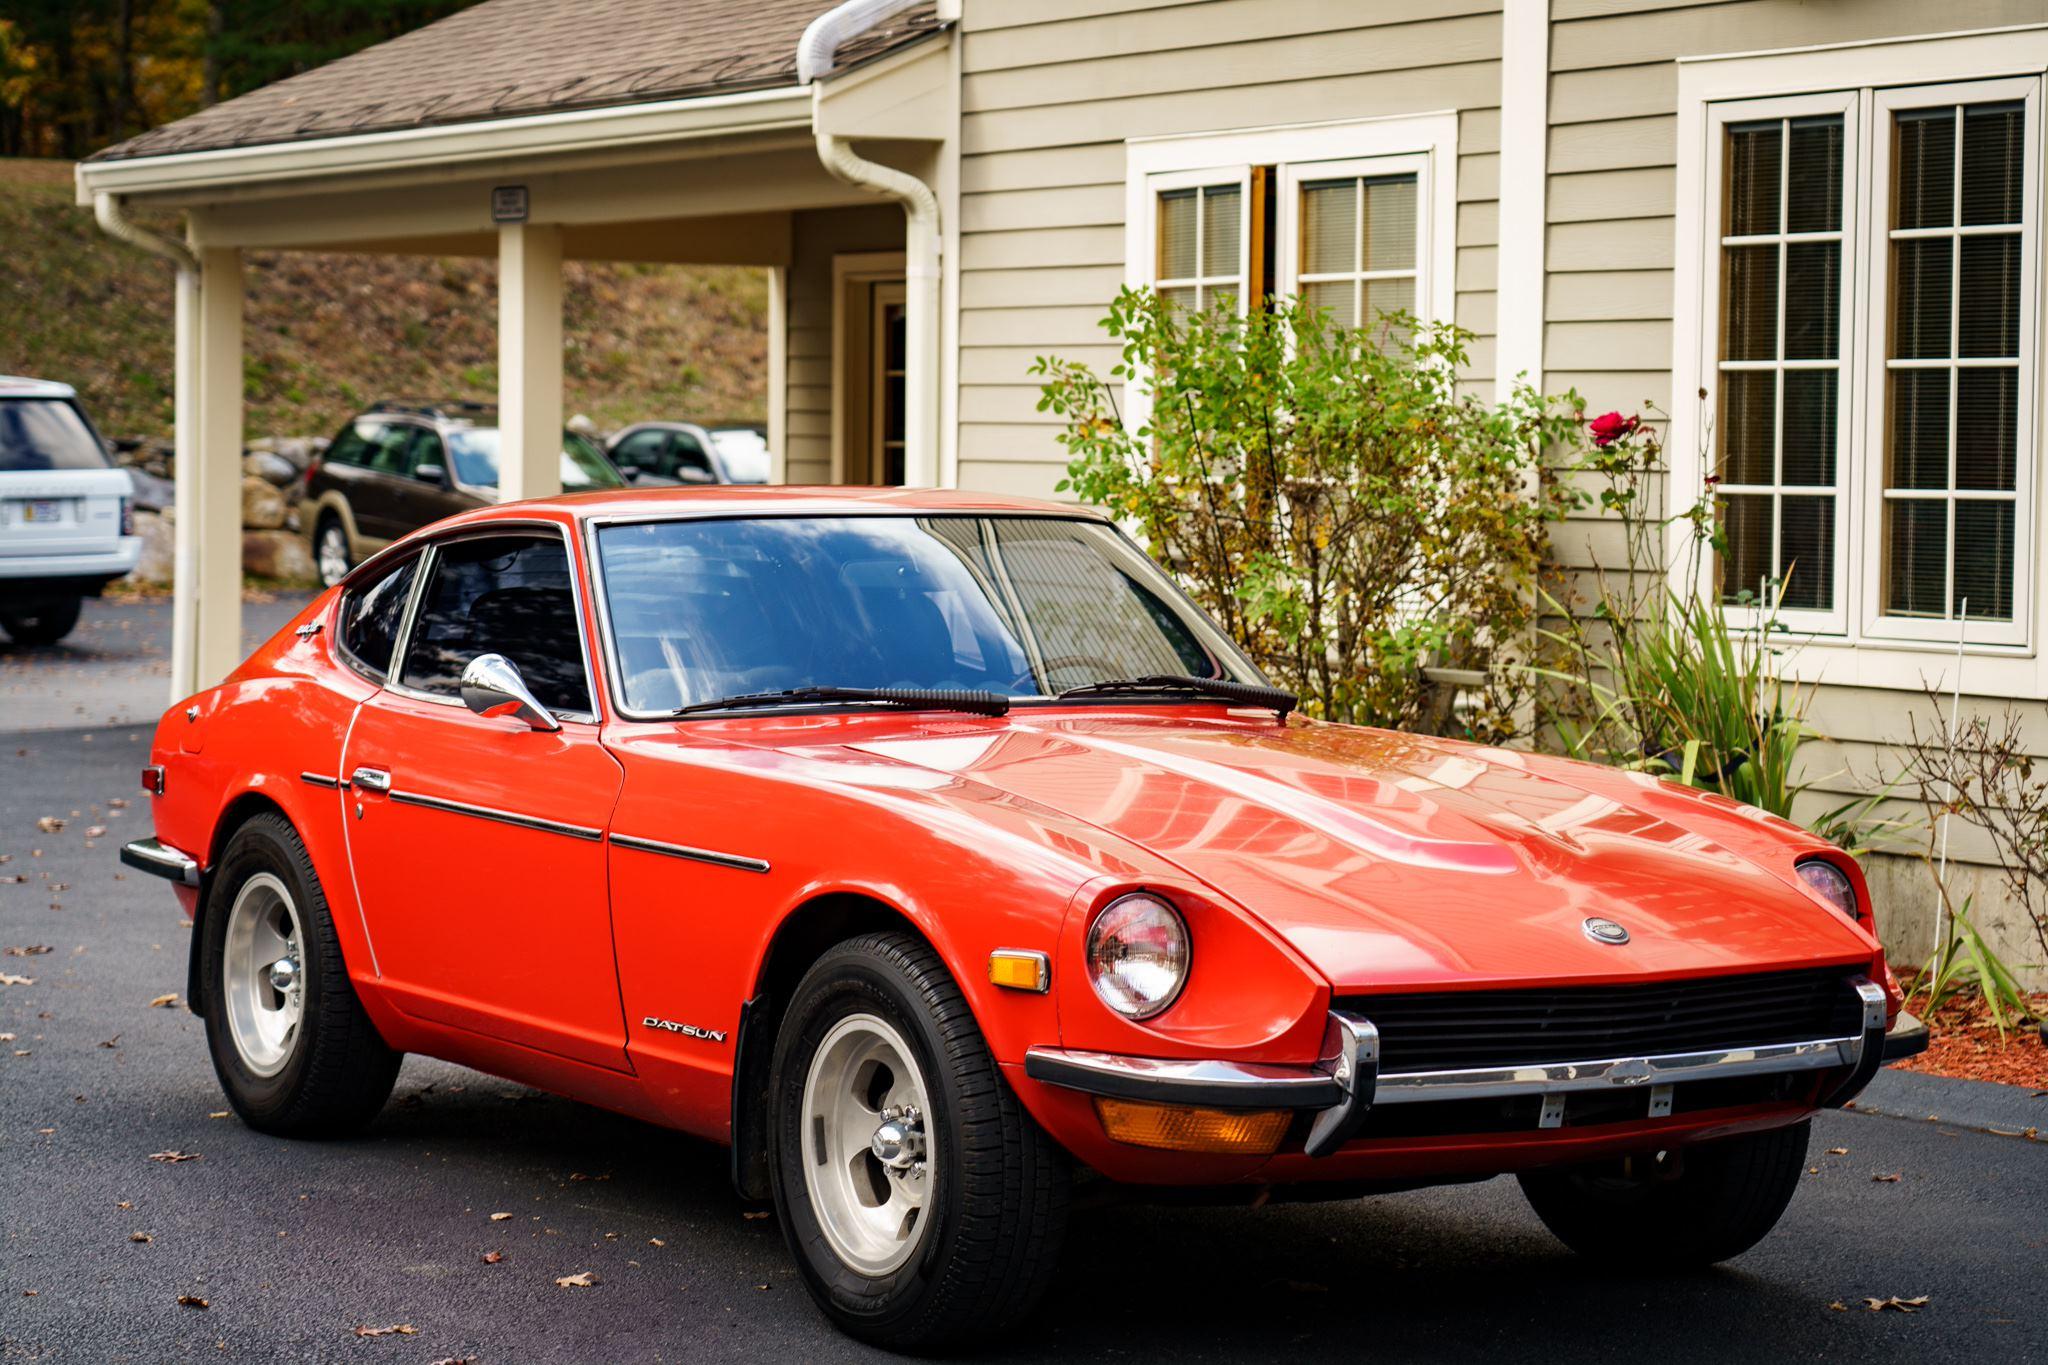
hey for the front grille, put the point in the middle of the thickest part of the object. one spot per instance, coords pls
(1459, 1030)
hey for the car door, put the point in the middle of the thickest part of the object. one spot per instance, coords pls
(478, 843)
(378, 486)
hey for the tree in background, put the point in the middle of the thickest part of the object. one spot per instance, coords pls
(79, 75)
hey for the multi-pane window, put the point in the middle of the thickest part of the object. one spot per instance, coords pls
(1781, 359)
(1359, 246)
(1201, 261)
(1870, 319)
(1953, 377)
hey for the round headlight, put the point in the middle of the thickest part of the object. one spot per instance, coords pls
(1138, 955)
(1831, 883)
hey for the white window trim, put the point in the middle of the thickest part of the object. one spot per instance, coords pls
(1209, 178)
(1155, 163)
(1988, 667)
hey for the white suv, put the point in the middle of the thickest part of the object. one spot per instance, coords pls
(66, 520)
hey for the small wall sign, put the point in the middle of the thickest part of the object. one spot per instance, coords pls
(509, 204)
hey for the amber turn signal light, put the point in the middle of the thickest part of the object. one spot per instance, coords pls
(1019, 970)
(1184, 1128)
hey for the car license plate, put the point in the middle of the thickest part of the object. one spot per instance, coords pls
(42, 509)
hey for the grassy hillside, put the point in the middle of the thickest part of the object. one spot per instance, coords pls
(329, 333)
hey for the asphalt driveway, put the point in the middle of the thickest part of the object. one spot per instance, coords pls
(294, 1246)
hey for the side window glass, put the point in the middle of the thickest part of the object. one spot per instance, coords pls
(392, 452)
(643, 449)
(692, 464)
(370, 619)
(424, 453)
(355, 443)
(508, 595)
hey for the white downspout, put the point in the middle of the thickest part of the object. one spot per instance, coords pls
(921, 242)
(107, 209)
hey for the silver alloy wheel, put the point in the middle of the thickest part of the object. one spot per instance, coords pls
(263, 974)
(333, 554)
(870, 1155)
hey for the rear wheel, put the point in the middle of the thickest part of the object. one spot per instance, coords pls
(291, 1044)
(1688, 1208)
(46, 625)
(922, 1203)
(330, 550)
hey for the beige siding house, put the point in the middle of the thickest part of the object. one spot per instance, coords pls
(1805, 234)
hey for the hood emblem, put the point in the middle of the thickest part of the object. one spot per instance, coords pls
(1605, 931)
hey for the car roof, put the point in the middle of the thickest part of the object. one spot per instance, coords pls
(18, 386)
(767, 499)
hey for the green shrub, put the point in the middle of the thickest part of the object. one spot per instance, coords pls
(1369, 534)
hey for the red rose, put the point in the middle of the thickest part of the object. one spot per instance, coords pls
(1610, 427)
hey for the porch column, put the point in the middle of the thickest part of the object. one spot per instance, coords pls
(529, 360)
(206, 610)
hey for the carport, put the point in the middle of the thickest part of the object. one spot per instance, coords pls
(810, 140)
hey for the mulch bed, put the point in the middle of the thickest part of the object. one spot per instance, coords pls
(1967, 1046)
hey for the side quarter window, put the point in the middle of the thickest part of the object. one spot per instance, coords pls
(509, 595)
(371, 617)
(354, 444)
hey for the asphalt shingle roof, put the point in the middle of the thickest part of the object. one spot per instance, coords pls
(504, 58)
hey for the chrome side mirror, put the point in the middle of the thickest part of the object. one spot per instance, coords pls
(491, 686)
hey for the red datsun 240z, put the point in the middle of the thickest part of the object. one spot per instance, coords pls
(937, 855)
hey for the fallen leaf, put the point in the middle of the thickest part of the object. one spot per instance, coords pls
(164, 1002)
(1886, 1179)
(124, 1204)
(456, 1360)
(493, 1257)
(172, 1158)
(219, 1114)
(755, 1213)
(112, 1042)
(8, 979)
(138, 1237)
(60, 886)
(403, 1329)
(119, 803)
(1838, 1307)
(28, 1293)
(1838, 1151)
(1913, 1305)
(656, 1242)
(584, 1280)
(499, 1217)
(6, 1037)
(49, 824)
(29, 950)
(95, 831)
(22, 1052)
(192, 1301)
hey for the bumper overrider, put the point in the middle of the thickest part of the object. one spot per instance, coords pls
(1342, 1089)
(159, 859)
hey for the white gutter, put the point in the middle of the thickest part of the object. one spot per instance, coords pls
(815, 53)
(574, 130)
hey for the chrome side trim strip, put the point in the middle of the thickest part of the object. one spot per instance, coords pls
(505, 817)
(159, 859)
(735, 861)
(320, 780)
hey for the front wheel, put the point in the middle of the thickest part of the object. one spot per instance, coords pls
(921, 1201)
(293, 1048)
(46, 625)
(1680, 1210)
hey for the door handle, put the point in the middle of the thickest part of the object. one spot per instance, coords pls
(371, 779)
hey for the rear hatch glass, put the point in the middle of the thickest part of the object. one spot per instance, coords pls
(38, 434)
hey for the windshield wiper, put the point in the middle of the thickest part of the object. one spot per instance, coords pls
(909, 698)
(1249, 694)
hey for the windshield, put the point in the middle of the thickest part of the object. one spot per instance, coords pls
(475, 453)
(744, 452)
(1020, 606)
(46, 433)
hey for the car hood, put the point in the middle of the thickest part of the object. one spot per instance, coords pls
(1390, 860)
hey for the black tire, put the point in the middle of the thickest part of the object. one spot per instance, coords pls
(1701, 1205)
(46, 625)
(339, 1071)
(332, 562)
(998, 1199)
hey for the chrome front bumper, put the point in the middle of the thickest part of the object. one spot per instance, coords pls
(1345, 1086)
(159, 859)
